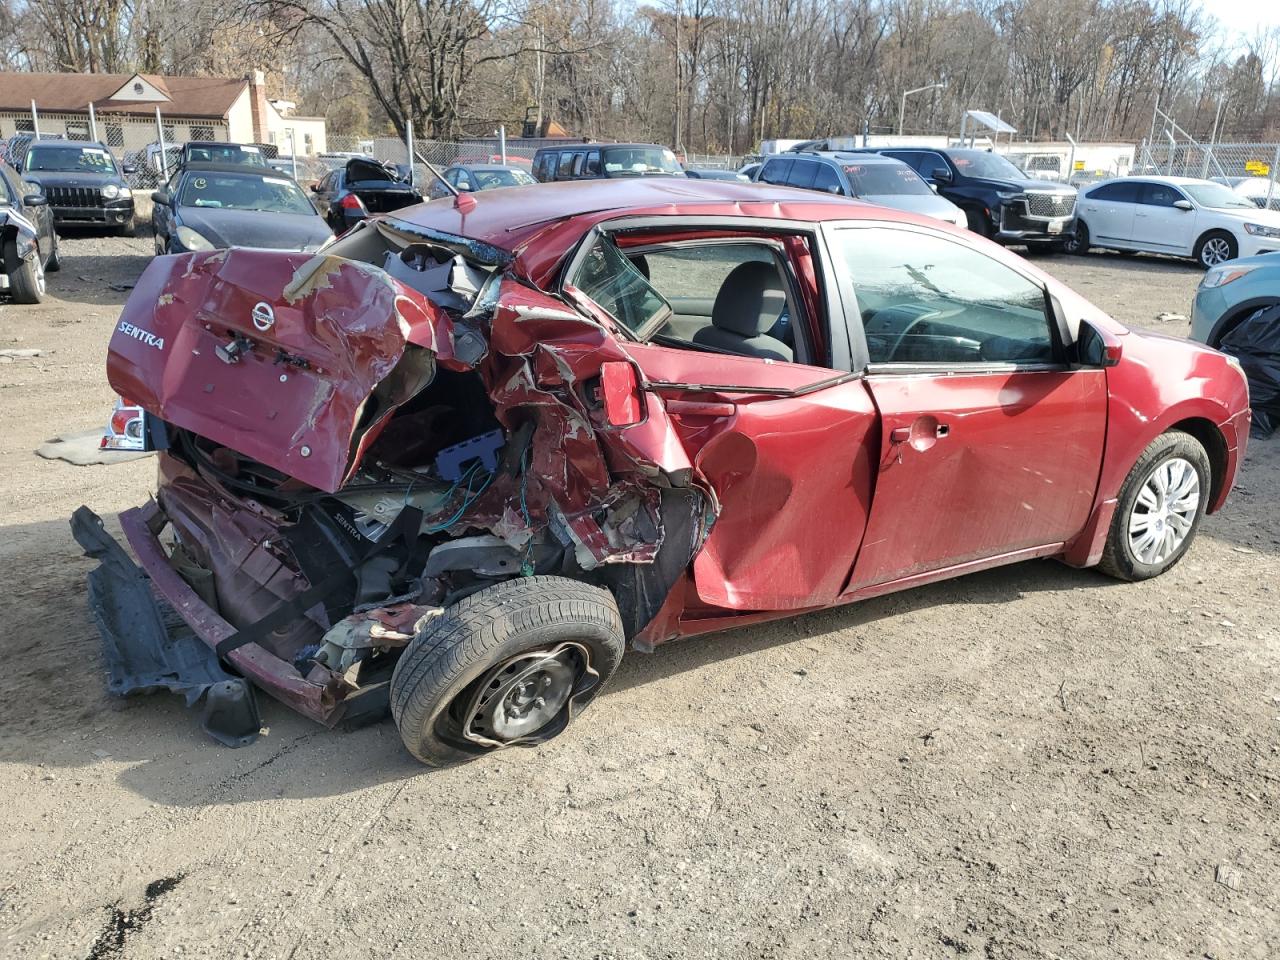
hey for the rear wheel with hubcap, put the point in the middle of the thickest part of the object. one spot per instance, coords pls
(510, 665)
(1160, 507)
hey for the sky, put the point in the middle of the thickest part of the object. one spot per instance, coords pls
(1243, 17)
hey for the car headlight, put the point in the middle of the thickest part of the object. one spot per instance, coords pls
(1008, 196)
(1221, 276)
(192, 240)
(1259, 230)
(111, 191)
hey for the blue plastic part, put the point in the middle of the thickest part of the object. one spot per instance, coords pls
(451, 462)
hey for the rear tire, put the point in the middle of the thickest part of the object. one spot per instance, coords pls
(1215, 247)
(26, 284)
(1156, 519)
(978, 222)
(457, 690)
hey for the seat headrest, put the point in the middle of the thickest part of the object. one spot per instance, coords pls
(750, 300)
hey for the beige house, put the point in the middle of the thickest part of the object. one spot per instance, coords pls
(123, 114)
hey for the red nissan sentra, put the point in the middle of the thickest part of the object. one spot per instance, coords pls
(460, 460)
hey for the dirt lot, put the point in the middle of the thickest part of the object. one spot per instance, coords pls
(1031, 762)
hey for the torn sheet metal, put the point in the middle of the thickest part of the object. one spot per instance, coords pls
(142, 655)
(275, 354)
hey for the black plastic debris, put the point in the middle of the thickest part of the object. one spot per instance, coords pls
(144, 655)
(1256, 344)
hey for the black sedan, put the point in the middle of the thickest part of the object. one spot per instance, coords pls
(358, 188)
(207, 207)
(28, 242)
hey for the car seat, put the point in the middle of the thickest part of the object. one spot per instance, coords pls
(749, 303)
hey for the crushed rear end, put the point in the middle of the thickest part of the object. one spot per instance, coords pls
(353, 441)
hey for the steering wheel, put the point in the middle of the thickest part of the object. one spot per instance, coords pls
(907, 330)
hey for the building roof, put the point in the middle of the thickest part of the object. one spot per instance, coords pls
(205, 97)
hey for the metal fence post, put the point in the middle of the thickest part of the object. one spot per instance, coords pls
(502, 142)
(35, 119)
(1271, 177)
(408, 143)
(164, 156)
(93, 124)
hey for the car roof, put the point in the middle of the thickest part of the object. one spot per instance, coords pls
(1172, 181)
(597, 146)
(242, 169)
(848, 156)
(507, 221)
(62, 142)
(486, 166)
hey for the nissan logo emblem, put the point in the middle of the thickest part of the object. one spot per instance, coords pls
(263, 316)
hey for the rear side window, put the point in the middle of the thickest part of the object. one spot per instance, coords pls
(1121, 192)
(544, 166)
(593, 163)
(776, 172)
(566, 165)
(827, 180)
(802, 174)
(1159, 195)
(578, 159)
(925, 299)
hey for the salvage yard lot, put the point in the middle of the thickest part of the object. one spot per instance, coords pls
(1029, 762)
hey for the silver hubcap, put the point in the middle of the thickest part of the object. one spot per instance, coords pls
(526, 693)
(1165, 511)
(39, 268)
(1216, 250)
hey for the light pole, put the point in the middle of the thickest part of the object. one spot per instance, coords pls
(902, 109)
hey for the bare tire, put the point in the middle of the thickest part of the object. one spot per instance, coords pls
(1215, 247)
(1159, 510)
(26, 283)
(978, 222)
(510, 665)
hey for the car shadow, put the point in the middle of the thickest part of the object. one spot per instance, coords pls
(1142, 263)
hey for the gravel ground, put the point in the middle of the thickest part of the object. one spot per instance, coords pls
(1029, 762)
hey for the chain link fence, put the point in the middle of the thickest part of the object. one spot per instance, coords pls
(1250, 169)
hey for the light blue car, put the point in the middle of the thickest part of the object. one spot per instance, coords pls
(1232, 292)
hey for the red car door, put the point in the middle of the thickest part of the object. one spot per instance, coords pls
(990, 444)
(787, 447)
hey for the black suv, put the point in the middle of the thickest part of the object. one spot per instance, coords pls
(595, 161)
(1000, 200)
(81, 180)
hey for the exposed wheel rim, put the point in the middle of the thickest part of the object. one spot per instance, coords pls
(529, 698)
(1075, 241)
(1165, 511)
(1216, 250)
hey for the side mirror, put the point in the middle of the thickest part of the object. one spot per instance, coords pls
(35, 200)
(941, 175)
(933, 187)
(1096, 347)
(129, 168)
(1183, 205)
(161, 197)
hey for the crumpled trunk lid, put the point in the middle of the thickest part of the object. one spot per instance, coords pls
(286, 358)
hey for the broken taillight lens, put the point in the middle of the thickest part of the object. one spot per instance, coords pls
(351, 202)
(127, 428)
(620, 393)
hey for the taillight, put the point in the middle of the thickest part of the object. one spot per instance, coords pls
(351, 202)
(620, 393)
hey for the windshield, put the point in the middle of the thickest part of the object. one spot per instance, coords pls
(232, 153)
(884, 180)
(988, 166)
(488, 179)
(640, 162)
(1216, 196)
(71, 159)
(231, 192)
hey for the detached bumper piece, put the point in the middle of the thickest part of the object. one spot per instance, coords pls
(143, 655)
